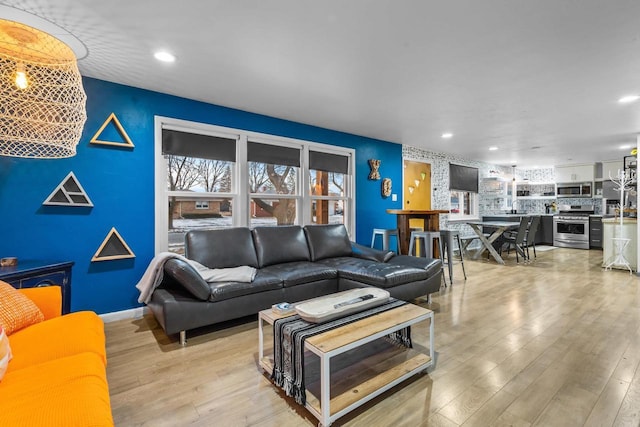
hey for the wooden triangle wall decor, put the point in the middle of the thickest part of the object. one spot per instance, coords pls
(126, 141)
(68, 193)
(113, 247)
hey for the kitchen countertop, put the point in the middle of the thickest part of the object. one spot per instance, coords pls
(518, 215)
(625, 220)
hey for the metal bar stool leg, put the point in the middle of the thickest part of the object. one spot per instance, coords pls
(441, 248)
(461, 257)
(449, 240)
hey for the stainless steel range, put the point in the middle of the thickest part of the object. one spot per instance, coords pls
(571, 226)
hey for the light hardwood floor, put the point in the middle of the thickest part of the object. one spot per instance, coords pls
(552, 343)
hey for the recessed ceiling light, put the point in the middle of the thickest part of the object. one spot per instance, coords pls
(625, 146)
(447, 135)
(629, 98)
(164, 56)
(494, 148)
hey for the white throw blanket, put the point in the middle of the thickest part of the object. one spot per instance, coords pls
(152, 277)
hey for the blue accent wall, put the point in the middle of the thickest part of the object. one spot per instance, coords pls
(120, 183)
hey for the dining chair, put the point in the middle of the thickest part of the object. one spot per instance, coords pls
(518, 240)
(530, 238)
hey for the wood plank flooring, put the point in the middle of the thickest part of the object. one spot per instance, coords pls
(552, 343)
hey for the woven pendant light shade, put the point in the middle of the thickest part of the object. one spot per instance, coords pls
(42, 111)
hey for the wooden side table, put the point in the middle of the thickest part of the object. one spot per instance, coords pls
(36, 273)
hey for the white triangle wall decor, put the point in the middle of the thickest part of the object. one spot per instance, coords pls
(68, 193)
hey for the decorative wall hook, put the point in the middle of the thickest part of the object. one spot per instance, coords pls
(374, 165)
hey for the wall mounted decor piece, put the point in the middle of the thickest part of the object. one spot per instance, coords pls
(374, 165)
(68, 193)
(126, 141)
(113, 247)
(386, 187)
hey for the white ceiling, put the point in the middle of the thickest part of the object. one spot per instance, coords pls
(539, 79)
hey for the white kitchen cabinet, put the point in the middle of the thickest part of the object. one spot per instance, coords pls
(575, 173)
(613, 167)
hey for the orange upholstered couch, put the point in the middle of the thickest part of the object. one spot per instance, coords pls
(57, 376)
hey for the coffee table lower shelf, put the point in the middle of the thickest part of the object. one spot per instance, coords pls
(357, 369)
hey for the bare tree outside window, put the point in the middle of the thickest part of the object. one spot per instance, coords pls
(183, 174)
(271, 179)
(212, 175)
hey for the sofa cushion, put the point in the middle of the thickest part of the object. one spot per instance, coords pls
(224, 248)
(430, 265)
(296, 273)
(264, 281)
(187, 277)
(16, 310)
(327, 241)
(276, 245)
(73, 333)
(70, 391)
(382, 275)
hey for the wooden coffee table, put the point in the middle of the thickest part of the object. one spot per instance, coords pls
(365, 364)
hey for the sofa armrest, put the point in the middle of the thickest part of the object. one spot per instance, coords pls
(188, 278)
(372, 254)
(47, 298)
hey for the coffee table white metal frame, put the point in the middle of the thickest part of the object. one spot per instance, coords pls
(330, 344)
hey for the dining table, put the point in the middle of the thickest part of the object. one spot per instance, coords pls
(487, 241)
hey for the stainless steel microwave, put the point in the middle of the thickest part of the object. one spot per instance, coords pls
(579, 189)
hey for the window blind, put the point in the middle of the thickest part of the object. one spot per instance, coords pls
(197, 145)
(273, 154)
(328, 162)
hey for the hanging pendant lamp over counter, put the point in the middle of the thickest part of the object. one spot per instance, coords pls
(42, 101)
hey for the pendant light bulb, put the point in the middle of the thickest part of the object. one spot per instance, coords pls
(21, 77)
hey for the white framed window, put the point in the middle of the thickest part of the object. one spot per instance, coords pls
(245, 179)
(273, 183)
(463, 205)
(328, 187)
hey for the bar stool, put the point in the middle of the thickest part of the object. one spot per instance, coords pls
(446, 251)
(385, 233)
(427, 238)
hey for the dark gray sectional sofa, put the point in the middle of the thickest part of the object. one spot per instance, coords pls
(293, 264)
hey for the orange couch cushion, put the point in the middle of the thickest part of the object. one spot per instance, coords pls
(58, 337)
(47, 298)
(16, 310)
(71, 391)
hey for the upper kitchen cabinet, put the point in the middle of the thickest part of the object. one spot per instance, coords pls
(575, 173)
(610, 169)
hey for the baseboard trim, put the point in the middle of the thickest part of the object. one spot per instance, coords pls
(132, 313)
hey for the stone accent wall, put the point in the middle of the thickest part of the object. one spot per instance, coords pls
(440, 182)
